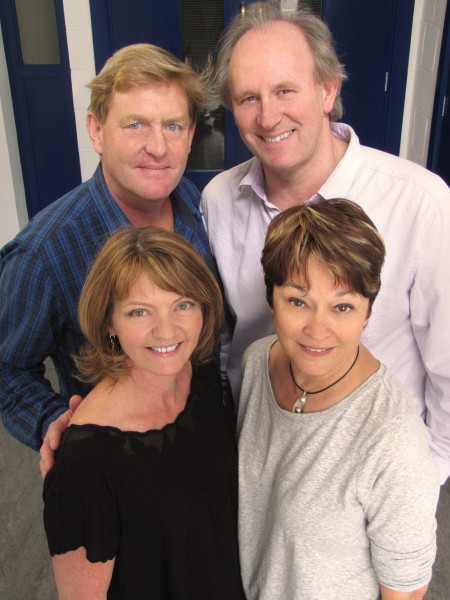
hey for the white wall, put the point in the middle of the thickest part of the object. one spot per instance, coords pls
(77, 16)
(426, 40)
(13, 206)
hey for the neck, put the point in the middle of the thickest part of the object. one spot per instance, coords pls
(159, 387)
(286, 393)
(158, 213)
(299, 404)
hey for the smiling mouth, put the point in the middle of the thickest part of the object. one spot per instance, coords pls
(164, 349)
(153, 167)
(318, 350)
(278, 138)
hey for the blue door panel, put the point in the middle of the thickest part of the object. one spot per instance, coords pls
(44, 116)
(362, 33)
(52, 167)
(118, 23)
(143, 21)
(372, 39)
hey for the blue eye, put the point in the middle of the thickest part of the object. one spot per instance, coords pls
(138, 312)
(136, 125)
(173, 127)
(185, 305)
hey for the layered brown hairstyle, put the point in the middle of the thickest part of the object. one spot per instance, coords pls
(338, 232)
(172, 264)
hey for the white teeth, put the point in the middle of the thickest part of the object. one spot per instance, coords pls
(316, 349)
(279, 137)
(164, 349)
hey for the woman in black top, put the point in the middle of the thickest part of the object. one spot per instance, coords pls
(142, 500)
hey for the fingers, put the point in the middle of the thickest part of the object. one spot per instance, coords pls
(51, 442)
(75, 402)
(52, 439)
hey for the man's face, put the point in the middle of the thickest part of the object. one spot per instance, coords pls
(144, 143)
(279, 108)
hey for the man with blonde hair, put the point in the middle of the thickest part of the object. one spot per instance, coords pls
(141, 120)
(279, 73)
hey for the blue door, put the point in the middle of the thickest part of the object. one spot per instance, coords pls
(38, 67)
(372, 38)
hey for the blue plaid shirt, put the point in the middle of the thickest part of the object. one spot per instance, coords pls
(42, 271)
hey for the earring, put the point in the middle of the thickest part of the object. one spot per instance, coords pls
(112, 341)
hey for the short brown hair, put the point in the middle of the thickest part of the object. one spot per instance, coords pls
(172, 264)
(338, 232)
(259, 15)
(142, 64)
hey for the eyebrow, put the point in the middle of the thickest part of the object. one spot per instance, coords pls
(282, 85)
(133, 117)
(304, 290)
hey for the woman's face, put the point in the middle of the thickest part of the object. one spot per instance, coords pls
(318, 327)
(157, 330)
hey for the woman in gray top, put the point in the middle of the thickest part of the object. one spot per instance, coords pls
(338, 489)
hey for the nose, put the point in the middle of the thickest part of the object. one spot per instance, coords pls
(155, 143)
(164, 327)
(269, 114)
(317, 326)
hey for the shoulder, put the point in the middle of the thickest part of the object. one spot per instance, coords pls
(410, 175)
(391, 420)
(67, 232)
(51, 222)
(384, 398)
(96, 406)
(257, 354)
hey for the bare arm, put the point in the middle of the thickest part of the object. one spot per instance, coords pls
(78, 579)
(387, 594)
(53, 436)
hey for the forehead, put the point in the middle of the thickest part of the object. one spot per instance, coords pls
(317, 274)
(160, 97)
(143, 286)
(278, 49)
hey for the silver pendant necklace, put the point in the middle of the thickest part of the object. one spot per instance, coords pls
(299, 404)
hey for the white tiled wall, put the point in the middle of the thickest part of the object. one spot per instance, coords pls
(81, 56)
(422, 73)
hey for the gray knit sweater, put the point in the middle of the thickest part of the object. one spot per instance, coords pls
(335, 502)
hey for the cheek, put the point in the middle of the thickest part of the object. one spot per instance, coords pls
(198, 326)
(242, 119)
(284, 324)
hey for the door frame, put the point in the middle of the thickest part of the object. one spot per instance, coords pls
(442, 95)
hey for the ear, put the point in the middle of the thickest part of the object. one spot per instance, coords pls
(191, 134)
(330, 88)
(95, 132)
(271, 309)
